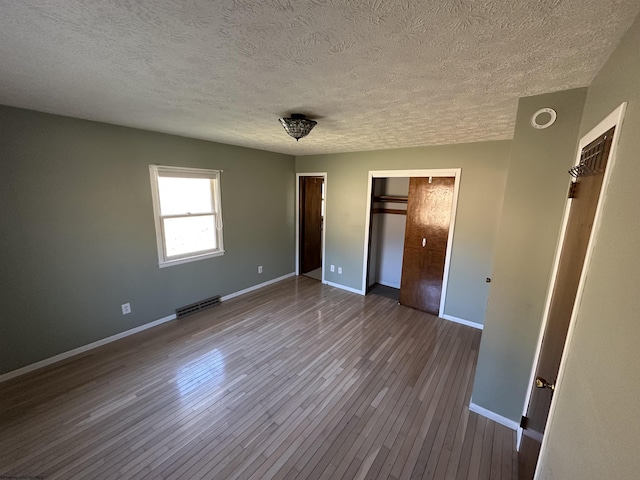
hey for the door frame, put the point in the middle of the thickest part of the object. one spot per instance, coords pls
(614, 119)
(437, 172)
(324, 218)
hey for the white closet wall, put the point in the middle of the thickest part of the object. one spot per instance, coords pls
(387, 235)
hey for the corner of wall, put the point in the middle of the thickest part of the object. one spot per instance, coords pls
(527, 238)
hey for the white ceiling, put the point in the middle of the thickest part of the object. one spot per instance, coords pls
(375, 74)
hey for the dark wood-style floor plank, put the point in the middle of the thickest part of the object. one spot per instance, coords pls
(297, 380)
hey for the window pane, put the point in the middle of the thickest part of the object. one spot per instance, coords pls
(181, 196)
(189, 235)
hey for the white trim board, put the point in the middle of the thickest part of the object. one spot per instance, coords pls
(437, 172)
(462, 321)
(85, 348)
(324, 222)
(344, 287)
(614, 119)
(257, 287)
(511, 424)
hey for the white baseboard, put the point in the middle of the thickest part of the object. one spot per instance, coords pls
(344, 287)
(468, 323)
(63, 356)
(518, 438)
(256, 287)
(513, 425)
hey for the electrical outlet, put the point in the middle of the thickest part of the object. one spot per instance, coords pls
(333, 268)
(339, 270)
(126, 308)
(260, 269)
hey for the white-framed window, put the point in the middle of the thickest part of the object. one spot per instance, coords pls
(188, 213)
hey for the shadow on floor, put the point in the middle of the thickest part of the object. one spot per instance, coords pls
(384, 291)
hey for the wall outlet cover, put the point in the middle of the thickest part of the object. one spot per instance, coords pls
(333, 268)
(126, 308)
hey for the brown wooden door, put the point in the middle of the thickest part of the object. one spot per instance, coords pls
(310, 223)
(586, 193)
(425, 242)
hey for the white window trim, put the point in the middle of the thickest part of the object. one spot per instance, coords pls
(155, 171)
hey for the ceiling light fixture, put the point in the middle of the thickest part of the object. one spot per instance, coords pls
(297, 125)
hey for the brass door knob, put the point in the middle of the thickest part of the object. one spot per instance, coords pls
(542, 383)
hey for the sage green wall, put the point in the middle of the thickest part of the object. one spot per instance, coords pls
(484, 166)
(78, 236)
(596, 428)
(531, 219)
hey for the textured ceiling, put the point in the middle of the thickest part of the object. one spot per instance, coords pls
(375, 74)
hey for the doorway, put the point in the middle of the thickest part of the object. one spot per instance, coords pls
(586, 193)
(310, 220)
(402, 206)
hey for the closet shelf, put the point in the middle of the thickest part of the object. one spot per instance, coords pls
(390, 210)
(390, 199)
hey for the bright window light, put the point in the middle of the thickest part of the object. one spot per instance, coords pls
(188, 213)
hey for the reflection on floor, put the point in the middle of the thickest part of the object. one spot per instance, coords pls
(315, 274)
(384, 291)
(361, 389)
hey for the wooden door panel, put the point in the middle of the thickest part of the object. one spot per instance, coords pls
(570, 266)
(421, 283)
(428, 217)
(310, 223)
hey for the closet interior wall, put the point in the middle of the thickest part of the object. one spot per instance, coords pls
(388, 222)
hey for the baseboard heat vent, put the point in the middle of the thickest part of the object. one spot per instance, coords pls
(198, 306)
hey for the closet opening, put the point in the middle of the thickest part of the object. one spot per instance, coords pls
(410, 223)
(388, 218)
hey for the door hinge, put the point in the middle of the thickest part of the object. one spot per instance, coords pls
(572, 190)
(523, 422)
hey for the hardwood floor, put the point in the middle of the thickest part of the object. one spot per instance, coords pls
(296, 380)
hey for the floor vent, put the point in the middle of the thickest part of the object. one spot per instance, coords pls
(198, 306)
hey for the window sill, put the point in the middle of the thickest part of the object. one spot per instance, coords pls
(180, 261)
